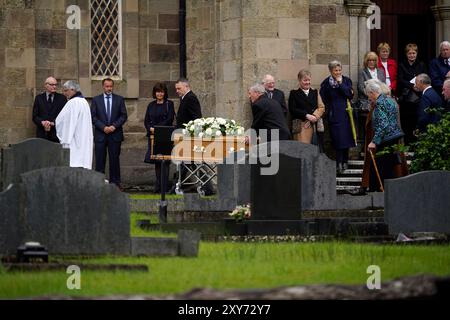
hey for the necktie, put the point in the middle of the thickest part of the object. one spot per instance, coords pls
(50, 98)
(108, 107)
(270, 94)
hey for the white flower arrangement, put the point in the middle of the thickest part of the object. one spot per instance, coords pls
(241, 212)
(212, 127)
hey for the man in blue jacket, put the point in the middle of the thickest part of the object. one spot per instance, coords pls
(430, 105)
(440, 67)
(109, 114)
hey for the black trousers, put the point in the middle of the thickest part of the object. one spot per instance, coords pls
(113, 149)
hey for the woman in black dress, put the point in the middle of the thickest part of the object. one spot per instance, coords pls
(408, 97)
(160, 112)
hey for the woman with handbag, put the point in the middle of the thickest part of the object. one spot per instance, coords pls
(408, 97)
(306, 108)
(160, 112)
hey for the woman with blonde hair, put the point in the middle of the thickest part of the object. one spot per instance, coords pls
(306, 108)
(369, 71)
(388, 65)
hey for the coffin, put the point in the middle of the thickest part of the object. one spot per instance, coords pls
(208, 150)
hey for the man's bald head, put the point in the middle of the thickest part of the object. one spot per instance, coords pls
(269, 82)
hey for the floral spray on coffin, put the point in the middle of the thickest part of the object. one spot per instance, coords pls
(209, 140)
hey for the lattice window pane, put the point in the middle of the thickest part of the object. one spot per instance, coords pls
(105, 38)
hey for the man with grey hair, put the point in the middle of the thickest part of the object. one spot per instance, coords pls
(440, 67)
(74, 127)
(446, 94)
(273, 93)
(267, 115)
(46, 108)
(430, 102)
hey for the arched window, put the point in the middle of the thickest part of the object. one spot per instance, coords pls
(106, 38)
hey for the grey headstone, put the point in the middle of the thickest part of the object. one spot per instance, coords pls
(318, 174)
(418, 203)
(73, 211)
(154, 247)
(277, 196)
(188, 243)
(10, 219)
(31, 154)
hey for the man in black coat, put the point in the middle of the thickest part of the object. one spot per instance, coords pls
(189, 110)
(109, 114)
(46, 108)
(446, 94)
(275, 94)
(267, 114)
(189, 105)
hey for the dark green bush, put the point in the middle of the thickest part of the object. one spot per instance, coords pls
(432, 149)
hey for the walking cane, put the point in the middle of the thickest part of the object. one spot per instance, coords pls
(376, 170)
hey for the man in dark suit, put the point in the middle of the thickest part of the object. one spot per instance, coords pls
(430, 100)
(189, 105)
(446, 94)
(109, 114)
(266, 114)
(46, 108)
(275, 94)
(440, 67)
(189, 110)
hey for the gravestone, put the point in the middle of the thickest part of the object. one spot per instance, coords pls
(418, 203)
(70, 211)
(277, 196)
(317, 176)
(31, 154)
(10, 206)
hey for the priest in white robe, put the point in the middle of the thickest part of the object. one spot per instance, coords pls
(74, 127)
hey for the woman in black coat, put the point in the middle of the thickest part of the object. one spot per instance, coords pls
(408, 97)
(160, 112)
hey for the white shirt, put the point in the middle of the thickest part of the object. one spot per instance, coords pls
(185, 95)
(426, 89)
(306, 92)
(374, 73)
(388, 76)
(74, 131)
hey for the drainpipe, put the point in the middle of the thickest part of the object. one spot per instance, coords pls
(182, 23)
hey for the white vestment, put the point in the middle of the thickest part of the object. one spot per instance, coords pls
(74, 131)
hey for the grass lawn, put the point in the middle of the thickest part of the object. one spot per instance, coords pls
(239, 265)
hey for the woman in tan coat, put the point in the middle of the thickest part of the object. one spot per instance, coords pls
(306, 108)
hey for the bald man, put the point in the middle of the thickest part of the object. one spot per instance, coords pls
(46, 108)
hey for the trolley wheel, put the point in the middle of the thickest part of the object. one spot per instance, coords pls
(179, 191)
(201, 191)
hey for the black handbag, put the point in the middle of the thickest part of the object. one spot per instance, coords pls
(409, 95)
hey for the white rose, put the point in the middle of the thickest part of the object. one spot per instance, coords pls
(208, 132)
(218, 133)
(200, 135)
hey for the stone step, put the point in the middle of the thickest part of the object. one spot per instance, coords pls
(352, 172)
(346, 187)
(341, 180)
(356, 163)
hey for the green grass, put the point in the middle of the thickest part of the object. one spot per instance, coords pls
(240, 265)
(138, 232)
(152, 196)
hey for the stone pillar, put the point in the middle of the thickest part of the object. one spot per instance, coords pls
(441, 13)
(359, 35)
(17, 69)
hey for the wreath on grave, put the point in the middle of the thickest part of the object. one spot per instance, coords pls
(241, 212)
